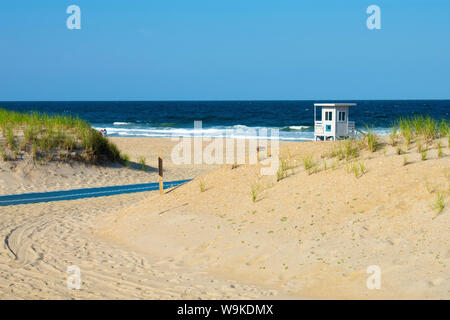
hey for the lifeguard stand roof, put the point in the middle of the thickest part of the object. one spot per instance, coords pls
(334, 104)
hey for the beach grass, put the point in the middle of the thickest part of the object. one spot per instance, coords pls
(126, 160)
(440, 153)
(393, 136)
(202, 185)
(282, 171)
(422, 126)
(309, 164)
(372, 141)
(47, 135)
(423, 155)
(439, 204)
(254, 190)
(357, 168)
(347, 150)
(143, 162)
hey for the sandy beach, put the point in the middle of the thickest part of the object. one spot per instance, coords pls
(311, 235)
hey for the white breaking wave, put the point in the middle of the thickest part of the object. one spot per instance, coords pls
(299, 127)
(238, 131)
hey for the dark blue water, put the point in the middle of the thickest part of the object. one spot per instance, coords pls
(165, 118)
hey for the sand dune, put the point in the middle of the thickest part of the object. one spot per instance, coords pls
(307, 236)
(41, 240)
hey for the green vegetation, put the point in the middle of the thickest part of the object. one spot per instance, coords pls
(3, 153)
(202, 185)
(424, 126)
(424, 155)
(49, 136)
(393, 136)
(282, 171)
(357, 168)
(309, 164)
(347, 150)
(419, 145)
(325, 164)
(439, 204)
(439, 148)
(423, 130)
(126, 160)
(255, 189)
(372, 141)
(143, 162)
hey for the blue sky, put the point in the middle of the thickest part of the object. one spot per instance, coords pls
(224, 50)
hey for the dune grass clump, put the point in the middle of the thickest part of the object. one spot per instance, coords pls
(126, 160)
(347, 150)
(325, 167)
(48, 135)
(443, 128)
(3, 154)
(350, 149)
(393, 136)
(406, 130)
(143, 163)
(34, 151)
(283, 168)
(309, 164)
(10, 139)
(202, 185)
(419, 145)
(423, 155)
(423, 126)
(372, 141)
(254, 190)
(439, 203)
(440, 153)
(357, 168)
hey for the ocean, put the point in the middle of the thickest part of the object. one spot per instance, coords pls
(294, 119)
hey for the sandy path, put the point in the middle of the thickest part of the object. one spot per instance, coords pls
(40, 241)
(302, 238)
(40, 245)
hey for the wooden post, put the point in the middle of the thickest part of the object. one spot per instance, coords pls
(160, 171)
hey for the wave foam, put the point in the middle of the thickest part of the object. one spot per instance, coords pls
(291, 133)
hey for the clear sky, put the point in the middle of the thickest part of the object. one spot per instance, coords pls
(224, 50)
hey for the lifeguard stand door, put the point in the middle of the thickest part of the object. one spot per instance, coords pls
(329, 121)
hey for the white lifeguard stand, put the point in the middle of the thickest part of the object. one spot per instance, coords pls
(334, 123)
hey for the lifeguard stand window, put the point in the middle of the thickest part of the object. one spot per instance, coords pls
(328, 116)
(341, 116)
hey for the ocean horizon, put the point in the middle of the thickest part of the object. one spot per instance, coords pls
(293, 118)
